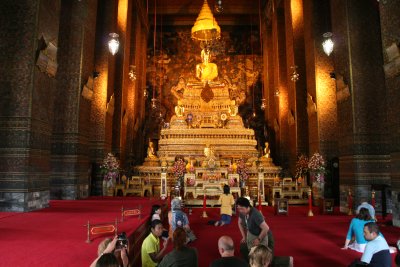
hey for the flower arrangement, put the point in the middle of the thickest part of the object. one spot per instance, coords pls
(110, 169)
(179, 170)
(243, 170)
(231, 182)
(316, 164)
(301, 166)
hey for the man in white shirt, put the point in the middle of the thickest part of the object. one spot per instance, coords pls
(377, 252)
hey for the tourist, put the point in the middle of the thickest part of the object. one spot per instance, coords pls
(151, 253)
(260, 256)
(356, 229)
(155, 212)
(369, 207)
(156, 215)
(177, 218)
(377, 251)
(103, 245)
(107, 248)
(227, 250)
(226, 201)
(252, 226)
(182, 255)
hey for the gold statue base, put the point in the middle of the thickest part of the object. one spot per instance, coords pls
(151, 162)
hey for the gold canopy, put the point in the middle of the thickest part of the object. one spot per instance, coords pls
(206, 27)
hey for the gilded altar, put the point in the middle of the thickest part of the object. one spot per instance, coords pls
(208, 132)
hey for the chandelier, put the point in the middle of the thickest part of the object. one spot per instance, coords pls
(327, 44)
(113, 43)
(206, 27)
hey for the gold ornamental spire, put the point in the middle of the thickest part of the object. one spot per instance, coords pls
(206, 27)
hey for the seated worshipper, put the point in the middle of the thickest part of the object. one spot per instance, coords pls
(151, 253)
(226, 201)
(252, 226)
(177, 218)
(227, 250)
(369, 207)
(260, 256)
(156, 215)
(108, 247)
(182, 255)
(357, 229)
(377, 251)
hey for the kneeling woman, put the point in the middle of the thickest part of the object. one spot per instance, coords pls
(356, 229)
(226, 200)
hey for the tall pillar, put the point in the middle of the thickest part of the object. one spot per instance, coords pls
(71, 130)
(295, 61)
(390, 33)
(362, 121)
(100, 119)
(26, 104)
(321, 106)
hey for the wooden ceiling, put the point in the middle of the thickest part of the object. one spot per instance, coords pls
(185, 12)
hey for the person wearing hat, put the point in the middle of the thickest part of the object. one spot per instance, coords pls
(178, 219)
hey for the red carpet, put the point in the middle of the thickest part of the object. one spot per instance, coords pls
(56, 236)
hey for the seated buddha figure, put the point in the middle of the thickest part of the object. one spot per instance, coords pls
(179, 109)
(206, 71)
(151, 151)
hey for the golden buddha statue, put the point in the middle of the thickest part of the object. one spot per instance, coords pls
(267, 151)
(179, 109)
(208, 152)
(151, 151)
(206, 71)
(233, 108)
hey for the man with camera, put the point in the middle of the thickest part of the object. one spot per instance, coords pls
(118, 245)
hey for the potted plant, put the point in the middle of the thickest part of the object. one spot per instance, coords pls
(243, 172)
(316, 166)
(302, 169)
(110, 169)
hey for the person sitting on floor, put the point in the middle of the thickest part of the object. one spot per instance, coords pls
(107, 246)
(377, 251)
(182, 255)
(227, 250)
(226, 201)
(177, 218)
(260, 256)
(369, 207)
(356, 229)
(150, 252)
(252, 226)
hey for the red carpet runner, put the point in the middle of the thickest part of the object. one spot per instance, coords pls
(56, 236)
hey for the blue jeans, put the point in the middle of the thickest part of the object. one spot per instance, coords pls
(226, 219)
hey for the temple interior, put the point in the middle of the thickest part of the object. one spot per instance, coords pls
(237, 91)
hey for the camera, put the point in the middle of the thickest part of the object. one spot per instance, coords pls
(122, 241)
